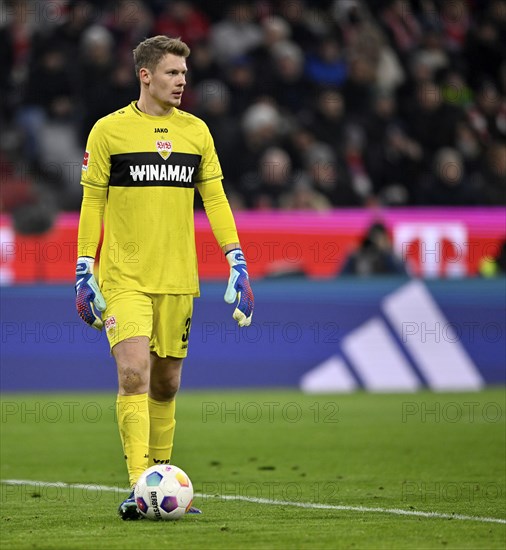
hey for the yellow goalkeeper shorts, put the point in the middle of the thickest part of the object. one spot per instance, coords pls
(164, 318)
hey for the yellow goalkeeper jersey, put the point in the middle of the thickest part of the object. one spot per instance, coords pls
(149, 166)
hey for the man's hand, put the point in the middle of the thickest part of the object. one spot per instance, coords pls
(239, 288)
(88, 295)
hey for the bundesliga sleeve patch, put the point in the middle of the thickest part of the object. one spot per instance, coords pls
(86, 159)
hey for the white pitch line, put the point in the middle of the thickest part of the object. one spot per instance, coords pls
(257, 500)
(396, 511)
(87, 486)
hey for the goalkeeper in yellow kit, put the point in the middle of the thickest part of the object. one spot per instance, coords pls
(140, 169)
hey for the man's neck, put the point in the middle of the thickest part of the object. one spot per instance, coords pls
(152, 108)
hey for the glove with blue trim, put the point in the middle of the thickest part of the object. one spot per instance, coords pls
(239, 288)
(88, 295)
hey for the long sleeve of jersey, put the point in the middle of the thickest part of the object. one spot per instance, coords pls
(218, 211)
(90, 221)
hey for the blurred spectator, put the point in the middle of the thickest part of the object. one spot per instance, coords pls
(351, 16)
(456, 22)
(487, 115)
(420, 73)
(354, 152)
(449, 184)
(402, 26)
(213, 106)
(397, 169)
(485, 50)
(16, 189)
(497, 12)
(284, 269)
(370, 42)
(328, 119)
(62, 155)
(301, 140)
(330, 178)
(274, 31)
(304, 197)
(468, 145)
(237, 34)
(431, 122)
(34, 218)
(288, 85)
(455, 89)
(273, 179)
(49, 95)
(7, 63)
(305, 26)
(97, 64)
(19, 27)
(129, 21)
(105, 84)
(67, 35)
(359, 89)
(389, 71)
(201, 64)
(383, 115)
(242, 83)
(429, 14)
(33, 207)
(393, 159)
(374, 256)
(124, 85)
(328, 65)
(182, 19)
(261, 129)
(494, 175)
(433, 52)
(494, 267)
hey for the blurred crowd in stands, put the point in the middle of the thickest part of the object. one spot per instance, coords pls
(312, 105)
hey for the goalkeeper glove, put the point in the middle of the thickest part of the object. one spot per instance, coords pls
(239, 288)
(88, 295)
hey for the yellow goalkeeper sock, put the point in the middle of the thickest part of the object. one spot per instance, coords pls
(162, 425)
(133, 422)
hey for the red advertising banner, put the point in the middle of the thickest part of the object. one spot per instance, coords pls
(432, 242)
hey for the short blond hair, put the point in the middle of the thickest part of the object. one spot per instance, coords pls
(150, 51)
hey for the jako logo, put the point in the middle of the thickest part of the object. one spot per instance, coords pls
(161, 131)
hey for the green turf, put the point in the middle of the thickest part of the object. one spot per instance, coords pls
(423, 452)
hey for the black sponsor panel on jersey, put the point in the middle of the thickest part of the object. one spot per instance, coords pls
(151, 170)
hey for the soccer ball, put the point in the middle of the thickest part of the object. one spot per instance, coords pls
(163, 492)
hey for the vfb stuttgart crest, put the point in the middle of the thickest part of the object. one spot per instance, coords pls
(164, 148)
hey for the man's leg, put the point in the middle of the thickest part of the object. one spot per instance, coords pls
(133, 363)
(128, 321)
(169, 345)
(164, 383)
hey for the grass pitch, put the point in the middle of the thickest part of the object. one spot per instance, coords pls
(262, 463)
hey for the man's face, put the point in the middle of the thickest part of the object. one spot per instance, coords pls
(166, 83)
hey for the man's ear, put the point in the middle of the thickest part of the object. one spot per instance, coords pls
(145, 75)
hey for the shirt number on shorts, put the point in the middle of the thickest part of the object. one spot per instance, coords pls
(186, 333)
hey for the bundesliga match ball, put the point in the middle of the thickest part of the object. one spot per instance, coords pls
(163, 492)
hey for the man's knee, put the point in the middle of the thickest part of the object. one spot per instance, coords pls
(133, 367)
(132, 378)
(165, 378)
(163, 390)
